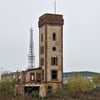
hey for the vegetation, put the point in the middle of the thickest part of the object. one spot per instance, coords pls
(79, 84)
(96, 80)
(49, 90)
(75, 87)
(7, 85)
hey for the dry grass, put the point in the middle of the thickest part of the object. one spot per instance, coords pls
(81, 96)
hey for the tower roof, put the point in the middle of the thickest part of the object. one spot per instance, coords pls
(53, 19)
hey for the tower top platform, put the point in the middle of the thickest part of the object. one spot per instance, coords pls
(53, 19)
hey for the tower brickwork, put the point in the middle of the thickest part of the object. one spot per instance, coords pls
(51, 47)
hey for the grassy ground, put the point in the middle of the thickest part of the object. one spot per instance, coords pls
(78, 96)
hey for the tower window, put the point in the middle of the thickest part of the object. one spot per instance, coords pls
(41, 37)
(41, 49)
(54, 48)
(54, 60)
(32, 76)
(42, 74)
(42, 61)
(54, 37)
(38, 77)
(54, 74)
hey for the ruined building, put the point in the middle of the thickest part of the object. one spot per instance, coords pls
(49, 74)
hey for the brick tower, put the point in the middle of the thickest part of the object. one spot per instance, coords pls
(49, 74)
(51, 47)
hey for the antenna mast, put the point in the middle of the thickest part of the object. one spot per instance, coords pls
(55, 7)
(31, 57)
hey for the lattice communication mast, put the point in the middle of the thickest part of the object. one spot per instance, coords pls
(31, 57)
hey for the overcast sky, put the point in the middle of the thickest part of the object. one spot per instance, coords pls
(81, 32)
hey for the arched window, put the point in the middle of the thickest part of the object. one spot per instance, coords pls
(32, 76)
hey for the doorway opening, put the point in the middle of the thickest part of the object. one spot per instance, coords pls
(31, 91)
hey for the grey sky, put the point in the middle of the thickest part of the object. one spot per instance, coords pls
(81, 32)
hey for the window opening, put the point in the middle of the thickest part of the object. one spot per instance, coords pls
(54, 37)
(54, 48)
(54, 74)
(32, 76)
(41, 37)
(54, 60)
(42, 61)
